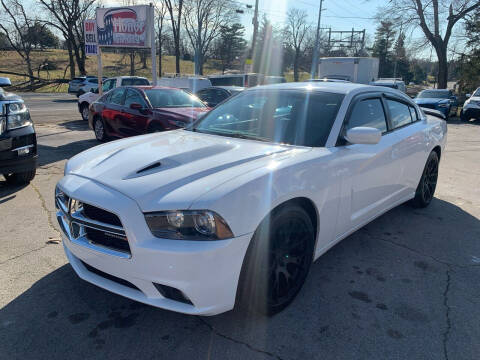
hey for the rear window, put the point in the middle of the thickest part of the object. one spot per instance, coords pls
(170, 98)
(227, 81)
(434, 94)
(126, 82)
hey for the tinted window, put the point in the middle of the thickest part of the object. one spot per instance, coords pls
(117, 96)
(165, 98)
(227, 81)
(108, 85)
(133, 96)
(369, 113)
(135, 81)
(413, 113)
(437, 94)
(399, 113)
(291, 117)
(477, 92)
(93, 81)
(220, 95)
(205, 95)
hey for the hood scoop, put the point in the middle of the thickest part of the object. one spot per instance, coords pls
(149, 167)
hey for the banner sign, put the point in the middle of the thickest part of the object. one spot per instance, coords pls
(127, 26)
(90, 30)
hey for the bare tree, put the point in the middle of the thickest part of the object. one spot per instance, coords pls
(175, 8)
(295, 32)
(18, 33)
(160, 13)
(203, 20)
(67, 16)
(432, 16)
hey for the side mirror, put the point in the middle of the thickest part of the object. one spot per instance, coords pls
(363, 135)
(468, 96)
(136, 106)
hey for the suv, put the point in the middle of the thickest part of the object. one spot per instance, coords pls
(393, 83)
(242, 80)
(18, 143)
(471, 107)
(86, 99)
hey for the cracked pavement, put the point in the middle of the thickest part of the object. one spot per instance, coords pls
(404, 286)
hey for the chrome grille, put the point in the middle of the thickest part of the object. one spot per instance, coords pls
(91, 226)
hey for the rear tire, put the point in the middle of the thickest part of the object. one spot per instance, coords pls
(277, 261)
(99, 130)
(428, 182)
(20, 178)
(84, 111)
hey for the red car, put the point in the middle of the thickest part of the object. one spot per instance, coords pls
(134, 110)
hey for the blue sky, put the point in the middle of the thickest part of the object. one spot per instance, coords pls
(337, 14)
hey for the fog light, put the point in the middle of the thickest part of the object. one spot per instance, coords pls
(23, 151)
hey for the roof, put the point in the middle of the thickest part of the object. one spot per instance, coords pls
(335, 87)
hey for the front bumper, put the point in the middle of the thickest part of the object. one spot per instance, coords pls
(205, 272)
(10, 142)
(472, 111)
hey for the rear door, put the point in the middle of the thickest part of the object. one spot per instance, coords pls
(409, 143)
(369, 172)
(133, 121)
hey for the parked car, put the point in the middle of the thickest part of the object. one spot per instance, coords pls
(76, 83)
(238, 205)
(398, 84)
(242, 80)
(128, 111)
(18, 142)
(189, 83)
(86, 99)
(442, 100)
(471, 107)
(270, 80)
(214, 95)
(328, 80)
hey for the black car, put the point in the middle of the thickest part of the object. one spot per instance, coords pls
(214, 95)
(18, 142)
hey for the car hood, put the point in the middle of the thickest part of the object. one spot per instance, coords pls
(8, 96)
(181, 113)
(171, 169)
(420, 101)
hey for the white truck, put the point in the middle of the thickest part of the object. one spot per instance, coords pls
(362, 70)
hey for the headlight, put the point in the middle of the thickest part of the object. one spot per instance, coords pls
(188, 225)
(17, 116)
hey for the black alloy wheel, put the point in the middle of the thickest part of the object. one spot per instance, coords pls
(428, 182)
(277, 261)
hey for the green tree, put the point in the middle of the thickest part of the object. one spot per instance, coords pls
(382, 48)
(268, 52)
(231, 44)
(41, 36)
(401, 66)
(470, 60)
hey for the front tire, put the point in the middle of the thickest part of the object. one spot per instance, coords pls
(428, 182)
(20, 178)
(277, 261)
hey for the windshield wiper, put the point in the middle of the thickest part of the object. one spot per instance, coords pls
(237, 135)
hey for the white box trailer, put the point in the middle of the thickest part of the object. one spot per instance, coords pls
(362, 70)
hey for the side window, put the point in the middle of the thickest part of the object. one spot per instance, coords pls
(369, 113)
(133, 97)
(399, 112)
(220, 95)
(107, 85)
(413, 113)
(117, 96)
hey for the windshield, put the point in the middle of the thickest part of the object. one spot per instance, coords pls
(171, 98)
(282, 116)
(434, 94)
(477, 92)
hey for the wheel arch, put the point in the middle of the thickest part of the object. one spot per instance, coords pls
(438, 150)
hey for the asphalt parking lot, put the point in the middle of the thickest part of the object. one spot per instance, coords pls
(403, 287)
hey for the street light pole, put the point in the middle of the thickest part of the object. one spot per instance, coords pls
(317, 44)
(255, 29)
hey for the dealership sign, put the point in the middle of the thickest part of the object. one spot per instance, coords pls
(124, 26)
(90, 31)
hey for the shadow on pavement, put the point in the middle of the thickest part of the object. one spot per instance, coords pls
(7, 191)
(77, 125)
(378, 294)
(52, 154)
(73, 100)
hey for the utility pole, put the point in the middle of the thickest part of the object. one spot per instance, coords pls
(313, 71)
(255, 29)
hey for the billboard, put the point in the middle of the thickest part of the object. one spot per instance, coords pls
(90, 31)
(127, 26)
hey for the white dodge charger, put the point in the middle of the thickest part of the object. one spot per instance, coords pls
(235, 208)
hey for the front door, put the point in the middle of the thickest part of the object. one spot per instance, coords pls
(370, 172)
